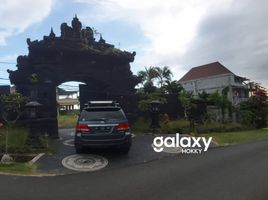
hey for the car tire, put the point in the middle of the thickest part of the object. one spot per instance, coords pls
(125, 149)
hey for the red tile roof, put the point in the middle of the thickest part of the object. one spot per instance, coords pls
(207, 70)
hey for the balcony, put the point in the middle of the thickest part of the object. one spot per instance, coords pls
(237, 100)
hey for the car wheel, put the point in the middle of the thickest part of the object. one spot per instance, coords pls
(125, 149)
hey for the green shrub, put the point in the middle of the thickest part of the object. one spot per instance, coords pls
(219, 127)
(183, 127)
(17, 139)
(247, 117)
(142, 125)
(177, 126)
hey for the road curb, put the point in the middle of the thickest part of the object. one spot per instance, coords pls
(31, 162)
(221, 146)
(28, 175)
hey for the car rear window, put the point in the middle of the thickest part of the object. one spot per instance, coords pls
(93, 114)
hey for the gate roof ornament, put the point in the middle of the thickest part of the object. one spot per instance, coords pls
(76, 48)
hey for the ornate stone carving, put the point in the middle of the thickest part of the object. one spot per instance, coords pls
(76, 24)
(66, 31)
(52, 34)
(87, 35)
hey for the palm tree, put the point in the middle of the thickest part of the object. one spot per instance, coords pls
(172, 87)
(148, 75)
(164, 74)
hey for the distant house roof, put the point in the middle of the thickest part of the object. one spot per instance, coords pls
(207, 70)
(64, 92)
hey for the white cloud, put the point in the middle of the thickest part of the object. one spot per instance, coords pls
(237, 37)
(169, 25)
(18, 15)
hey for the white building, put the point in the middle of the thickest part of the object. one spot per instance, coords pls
(67, 100)
(214, 77)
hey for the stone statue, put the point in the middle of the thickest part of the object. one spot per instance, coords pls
(66, 31)
(52, 34)
(76, 24)
(22, 61)
(87, 35)
(102, 41)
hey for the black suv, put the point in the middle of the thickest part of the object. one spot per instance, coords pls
(102, 124)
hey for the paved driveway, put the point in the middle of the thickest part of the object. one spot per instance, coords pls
(140, 152)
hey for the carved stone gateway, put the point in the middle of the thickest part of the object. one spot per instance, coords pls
(74, 56)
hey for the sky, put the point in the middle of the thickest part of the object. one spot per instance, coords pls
(180, 34)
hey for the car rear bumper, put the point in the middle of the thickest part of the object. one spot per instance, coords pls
(101, 141)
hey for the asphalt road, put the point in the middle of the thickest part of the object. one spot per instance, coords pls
(231, 173)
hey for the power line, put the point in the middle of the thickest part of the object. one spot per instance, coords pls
(63, 85)
(9, 63)
(6, 79)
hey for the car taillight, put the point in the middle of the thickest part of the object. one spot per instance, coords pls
(122, 127)
(82, 128)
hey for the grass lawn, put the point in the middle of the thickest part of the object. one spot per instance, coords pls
(18, 168)
(18, 142)
(67, 121)
(237, 137)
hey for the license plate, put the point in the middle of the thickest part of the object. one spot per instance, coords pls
(103, 129)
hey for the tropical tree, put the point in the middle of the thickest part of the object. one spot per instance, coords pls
(10, 109)
(254, 111)
(252, 86)
(163, 74)
(186, 102)
(11, 106)
(203, 96)
(172, 87)
(147, 98)
(148, 75)
(221, 101)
